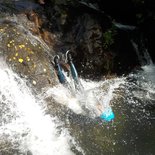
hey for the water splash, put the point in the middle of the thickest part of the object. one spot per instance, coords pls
(142, 53)
(24, 123)
(149, 72)
(92, 101)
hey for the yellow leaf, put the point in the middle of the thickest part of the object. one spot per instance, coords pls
(20, 46)
(20, 60)
(28, 59)
(16, 54)
(16, 48)
(11, 41)
(8, 45)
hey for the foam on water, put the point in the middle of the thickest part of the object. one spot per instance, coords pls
(100, 94)
(63, 96)
(146, 83)
(24, 122)
(92, 101)
(149, 72)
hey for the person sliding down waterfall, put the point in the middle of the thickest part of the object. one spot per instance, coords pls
(77, 83)
(59, 70)
(68, 67)
(106, 114)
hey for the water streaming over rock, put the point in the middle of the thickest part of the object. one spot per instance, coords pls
(24, 126)
(142, 53)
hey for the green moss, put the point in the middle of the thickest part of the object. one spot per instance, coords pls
(108, 37)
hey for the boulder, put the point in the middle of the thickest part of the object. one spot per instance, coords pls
(26, 54)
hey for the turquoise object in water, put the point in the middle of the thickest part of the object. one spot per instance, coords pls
(107, 115)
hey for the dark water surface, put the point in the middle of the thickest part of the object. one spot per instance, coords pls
(133, 129)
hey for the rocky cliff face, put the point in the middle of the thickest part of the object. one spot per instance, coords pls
(98, 45)
(26, 53)
(32, 32)
(89, 29)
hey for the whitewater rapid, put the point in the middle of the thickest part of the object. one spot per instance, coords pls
(26, 128)
(23, 122)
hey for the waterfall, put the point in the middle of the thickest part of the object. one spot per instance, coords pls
(150, 72)
(124, 27)
(24, 126)
(142, 53)
(26, 129)
(145, 61)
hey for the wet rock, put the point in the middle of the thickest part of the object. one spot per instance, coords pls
(85, 29)
(98, 46)
(89, 50)
(26, 54)
(81, 32)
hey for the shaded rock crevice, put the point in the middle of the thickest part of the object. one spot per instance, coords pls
(89, 32)
(100, 46)
(89, 29)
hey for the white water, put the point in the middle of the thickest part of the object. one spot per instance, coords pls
(148, 83)
(23, 122)
(143, 87)
(124, 27)
(95, 98)
(143, 55)
(149, 71)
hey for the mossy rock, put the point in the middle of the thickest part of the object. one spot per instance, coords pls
(26, 55)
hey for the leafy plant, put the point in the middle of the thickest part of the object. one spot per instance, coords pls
(108, 37)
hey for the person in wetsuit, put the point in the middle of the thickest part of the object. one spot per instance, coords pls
(58, 68)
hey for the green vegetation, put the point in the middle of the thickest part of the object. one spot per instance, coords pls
(108, 37)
